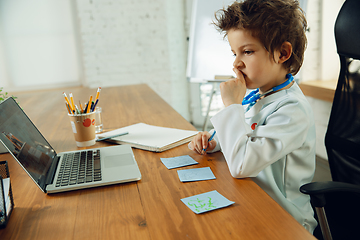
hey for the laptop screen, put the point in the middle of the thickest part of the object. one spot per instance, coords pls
(25, 142)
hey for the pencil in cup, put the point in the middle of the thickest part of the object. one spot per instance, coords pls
(89, 105)
(97, 94)
(72, 101)
(68, 107)
(67, 101)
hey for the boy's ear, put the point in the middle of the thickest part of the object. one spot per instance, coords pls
(285, 52)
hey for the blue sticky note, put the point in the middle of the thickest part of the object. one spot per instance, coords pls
(196, 174)
(206, 202)
(176, 162)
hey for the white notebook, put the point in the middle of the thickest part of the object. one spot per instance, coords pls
(149, 137)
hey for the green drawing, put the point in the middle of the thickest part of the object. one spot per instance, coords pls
(201, 204)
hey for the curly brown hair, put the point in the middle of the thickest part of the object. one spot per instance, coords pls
(273, 22)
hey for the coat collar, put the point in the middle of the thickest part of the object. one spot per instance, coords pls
(268, 100)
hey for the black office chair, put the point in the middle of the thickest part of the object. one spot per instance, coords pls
(340, 198)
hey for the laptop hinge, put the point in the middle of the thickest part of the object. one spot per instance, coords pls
(52, 170)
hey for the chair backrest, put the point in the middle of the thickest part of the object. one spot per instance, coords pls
(342, 138)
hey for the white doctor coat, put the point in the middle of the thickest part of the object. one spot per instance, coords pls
(274, 143)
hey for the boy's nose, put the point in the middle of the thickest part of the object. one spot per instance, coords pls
(238, 63)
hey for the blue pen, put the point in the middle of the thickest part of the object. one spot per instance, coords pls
(212, 136)
(96, 102)
(117, 135)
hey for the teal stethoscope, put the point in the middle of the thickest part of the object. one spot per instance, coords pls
(252, 97)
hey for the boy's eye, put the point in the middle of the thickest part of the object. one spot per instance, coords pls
(248, 52)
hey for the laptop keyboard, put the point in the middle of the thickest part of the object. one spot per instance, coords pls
(79, 167)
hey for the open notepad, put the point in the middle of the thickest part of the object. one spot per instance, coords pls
(149, 137)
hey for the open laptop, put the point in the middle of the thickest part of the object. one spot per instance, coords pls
(59, 172)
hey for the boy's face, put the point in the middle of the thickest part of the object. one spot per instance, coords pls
(258, 67)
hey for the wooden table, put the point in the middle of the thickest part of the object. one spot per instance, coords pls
(148, 209)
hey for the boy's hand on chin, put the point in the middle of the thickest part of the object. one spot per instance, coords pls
(233, 91)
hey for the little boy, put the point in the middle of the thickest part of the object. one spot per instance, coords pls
(269, 135)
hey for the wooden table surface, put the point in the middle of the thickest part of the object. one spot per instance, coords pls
(148, 209)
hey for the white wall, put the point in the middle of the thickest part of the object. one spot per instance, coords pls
(130, 42)
(3, 68)
(37, 46)
(330, 63)
(312, 64)
(321, 60)
(57, 43)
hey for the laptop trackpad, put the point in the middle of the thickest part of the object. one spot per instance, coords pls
(118, 160)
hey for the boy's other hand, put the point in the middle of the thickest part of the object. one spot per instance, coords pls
(233, 91)
(200, 142)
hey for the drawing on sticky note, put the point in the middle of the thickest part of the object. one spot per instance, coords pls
(206, 202)
(201, 205)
